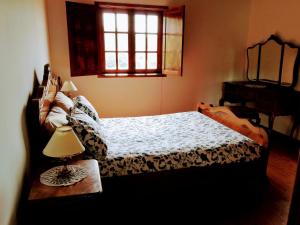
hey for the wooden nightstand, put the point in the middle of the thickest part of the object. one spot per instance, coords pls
(65, 204)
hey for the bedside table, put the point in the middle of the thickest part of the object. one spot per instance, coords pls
(65, 204)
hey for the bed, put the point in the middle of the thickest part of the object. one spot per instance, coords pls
(161, 153)
(172, 141)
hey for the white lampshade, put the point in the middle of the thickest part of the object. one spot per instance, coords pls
(63, 143)
(68, 86)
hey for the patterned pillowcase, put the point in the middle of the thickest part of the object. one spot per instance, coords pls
(83, 104)
(88, 133)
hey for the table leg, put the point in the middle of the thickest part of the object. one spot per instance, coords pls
(271, 121)
(295, 125)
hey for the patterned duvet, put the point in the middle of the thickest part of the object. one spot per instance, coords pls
(171, 141)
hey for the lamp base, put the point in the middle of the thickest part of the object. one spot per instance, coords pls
(63, 175)
(66, 172)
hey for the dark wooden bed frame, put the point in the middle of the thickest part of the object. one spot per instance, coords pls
(242, 177)
(38, 135)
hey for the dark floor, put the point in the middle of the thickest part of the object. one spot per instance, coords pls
(274, 207)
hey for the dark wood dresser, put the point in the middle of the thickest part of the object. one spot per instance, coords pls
(272, 78)
(272, 100)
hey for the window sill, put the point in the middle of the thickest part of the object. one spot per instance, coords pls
(126, 75)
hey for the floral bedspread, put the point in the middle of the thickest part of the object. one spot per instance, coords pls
(171, 141)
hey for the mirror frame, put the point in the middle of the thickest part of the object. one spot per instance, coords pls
(283, 44)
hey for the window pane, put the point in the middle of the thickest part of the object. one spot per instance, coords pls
(152, 24)
(123, 61)
(152, 42)
(140, 23)
(110, 61)
(140, 60)
(110, 42)
(152, 61)
(140, 42)
(122, 42)
(109, 22)
(122, 22)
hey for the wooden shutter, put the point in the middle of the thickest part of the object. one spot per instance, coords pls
(173, 41)
(82, 32)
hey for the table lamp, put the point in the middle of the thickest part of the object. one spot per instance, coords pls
(68, 87)
(63, 144)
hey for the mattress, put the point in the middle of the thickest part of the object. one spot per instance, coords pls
(170, 141)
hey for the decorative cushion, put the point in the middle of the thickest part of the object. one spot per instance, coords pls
(46, 103)
(55, 118)
(89, 134)
(83, 104)
(63, 101)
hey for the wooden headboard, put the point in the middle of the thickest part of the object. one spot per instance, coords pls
(38, 110)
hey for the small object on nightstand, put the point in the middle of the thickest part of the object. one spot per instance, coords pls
(63, 144)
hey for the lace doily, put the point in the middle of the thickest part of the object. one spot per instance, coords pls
(51, 177)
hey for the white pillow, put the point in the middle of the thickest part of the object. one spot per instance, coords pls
(57, 117)
(63, 101)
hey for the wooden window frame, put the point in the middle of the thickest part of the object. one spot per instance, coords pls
(131, 10)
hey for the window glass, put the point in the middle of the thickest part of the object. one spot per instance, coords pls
(152, 61)
(140, 23)
(110, 42)
(123, 61)
(140, 42)
(109, 22)
(122, 42)
(152, 42)
(110, 61)
(152, 24)
(122, 22)
(140, 61)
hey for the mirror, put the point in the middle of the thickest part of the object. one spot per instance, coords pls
(252, 55)
(273, 61)
(290, 54)
(270, 61)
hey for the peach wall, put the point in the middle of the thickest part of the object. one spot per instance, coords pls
(275, 17)
(218, 43)
(23, 52)
(215, 40)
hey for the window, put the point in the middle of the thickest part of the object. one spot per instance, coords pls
(111, 39)
(146, 41)
(115, 41)
(132, 40)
